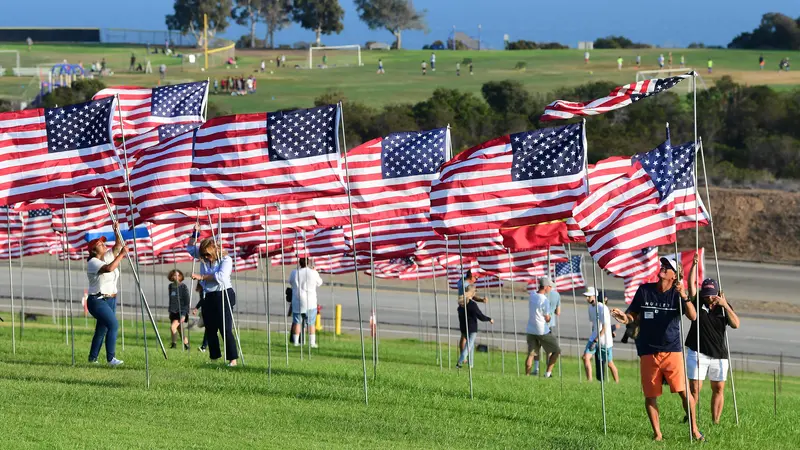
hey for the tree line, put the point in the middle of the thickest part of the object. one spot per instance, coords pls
(750, 133)
(775, 32)
(323, 17)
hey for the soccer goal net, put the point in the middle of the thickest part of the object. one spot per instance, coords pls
(9, 60)
(666, 73)
(337, 56)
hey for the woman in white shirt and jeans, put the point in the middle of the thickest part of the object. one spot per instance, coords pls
(103, 272)
(215, 278)
(304, 282)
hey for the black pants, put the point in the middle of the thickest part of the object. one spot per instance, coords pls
(212, 316)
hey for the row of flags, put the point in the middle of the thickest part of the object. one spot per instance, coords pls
(398, 196)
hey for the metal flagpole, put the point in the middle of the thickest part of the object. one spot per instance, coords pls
(265, 282)
(503, 331)
(719, 278)
(121, 308)
(449, 314)
(65, 249)
(697, 244)
(355, 262)
(558, 324)
(575, 308)
(153, 270)
(333, 303)
(11, 282)
(283, 279)
(236, 277)
(301, 336)
(603, 288)
(419, 308)
(69, 283)
(308, 325)
(513, 311)
(52, 295)
(683, 353)
(466, 317)
(374, 325)
(599, 352)
(436, 313)
(21, 284)
(183, 317)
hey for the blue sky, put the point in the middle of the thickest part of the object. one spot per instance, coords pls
(675, 23)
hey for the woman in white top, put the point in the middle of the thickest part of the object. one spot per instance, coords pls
(103, 272)
(305, 282)
(215, 278)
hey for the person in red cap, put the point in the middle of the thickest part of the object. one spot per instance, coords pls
(103, 272)
(715, 315)
(657, 307)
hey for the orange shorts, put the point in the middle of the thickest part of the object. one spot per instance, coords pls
(662, 366)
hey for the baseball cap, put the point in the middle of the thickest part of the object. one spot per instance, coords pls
(671, 263)
(709, 287)
(90, 246)
(545, 281)
(590, 292)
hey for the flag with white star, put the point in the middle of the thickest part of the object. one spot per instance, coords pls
(388, 177)
(145, 109)
(618, 98)
(515, 180)
(54, 151)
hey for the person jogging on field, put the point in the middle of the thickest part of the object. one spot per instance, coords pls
(657, 306)
(715, 315)
(433, 62)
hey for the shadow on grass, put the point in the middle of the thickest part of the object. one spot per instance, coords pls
(66, 381)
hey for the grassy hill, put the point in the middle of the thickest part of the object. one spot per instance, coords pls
(319, 402)
(546, 70)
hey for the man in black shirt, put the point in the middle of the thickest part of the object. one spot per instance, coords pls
(714, 316)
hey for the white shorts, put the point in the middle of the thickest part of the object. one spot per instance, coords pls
(716, 369)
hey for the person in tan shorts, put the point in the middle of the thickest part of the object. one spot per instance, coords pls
(656, 306)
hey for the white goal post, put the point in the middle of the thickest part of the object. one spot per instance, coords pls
(311, 49)
(16, 66)
(650, 74)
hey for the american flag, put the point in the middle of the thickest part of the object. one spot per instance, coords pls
(244, 261)
(388, 177)
(54, 151)
(163, 133)
(631, 212)
(515, 180)
(618, 98)
(339, 264)
(416, 272)
(170, 236)
(686, 258)
(144, 109)
(569, 275)
(291, 214)
(635, 268)
(327, 241)
(607, 170)
(399, 232)
(38, 226)
(521, 264)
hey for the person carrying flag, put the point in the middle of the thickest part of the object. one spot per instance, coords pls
(102, 270)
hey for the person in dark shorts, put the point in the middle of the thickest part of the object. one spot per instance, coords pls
(178, 307)
(538, 330)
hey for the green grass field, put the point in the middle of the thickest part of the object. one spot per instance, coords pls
(546, 70)
(319, 403)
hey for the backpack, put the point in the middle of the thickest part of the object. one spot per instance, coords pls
(288, 295)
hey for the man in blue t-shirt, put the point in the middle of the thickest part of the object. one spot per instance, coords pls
(657, 307)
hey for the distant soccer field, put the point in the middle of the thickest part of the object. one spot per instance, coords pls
(403, 82)
(319, 403)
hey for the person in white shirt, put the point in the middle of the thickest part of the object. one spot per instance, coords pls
(304, 282)
(538, 329)
(102, 270)
(606, 339)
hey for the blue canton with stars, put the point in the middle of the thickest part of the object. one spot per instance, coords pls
(566, 268)
(669, 167)
(80, 126)
(169, 131)
(303, 133)
(42, 212)
(547, 153)
(661, 85)
(413, 153)
(178, 99)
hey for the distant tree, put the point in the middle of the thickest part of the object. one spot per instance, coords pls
(618, 42)
(275, 13)
(80, 91)
(321, 16)
(393, 15)
(696, 45)
(247, 12)
(776, 31)
(188, 17)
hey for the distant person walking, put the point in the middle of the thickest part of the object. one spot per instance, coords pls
(304, 282)
(380, 67)
(603, 341)
(661, 61)
(538, 330)
(102, 270)
(470, 68)
(761, 62)
(263, 66)
(424, 66)
(638, 61)
(619, 63)
(710, 65)
(29, 41)
(458, 69)
(669, 60)
(586, 56)
(133, 63)
(715, 315)
(657, 309)
(433, 62)
(683, 61)
(178, 307)
(283, 60)
(148, 68)
(162, 71)
(469, 324)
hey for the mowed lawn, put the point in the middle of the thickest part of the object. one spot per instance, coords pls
(546, 71)
(319, 403)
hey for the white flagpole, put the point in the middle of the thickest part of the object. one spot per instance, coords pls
(355, 261)
(283, 279)
(719, 279)
(513, 311)
(69, 283)
(599, 352)
(21, 283)
(575, 308)
(333, 303)
(436, 312)
(449, 314)
(265, 282)
(11, 282)
(503, 331)
(683, 353)
(466, 318)
(52, 296)
(373, 303)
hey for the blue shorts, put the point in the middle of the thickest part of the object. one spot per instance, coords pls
(311, 315)
(591, 351)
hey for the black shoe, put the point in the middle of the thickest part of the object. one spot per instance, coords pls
(186, 346)
(172, 345)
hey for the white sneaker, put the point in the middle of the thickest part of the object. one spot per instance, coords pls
(115, 362)
(314, 346)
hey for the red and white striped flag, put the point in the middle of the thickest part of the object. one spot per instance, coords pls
(635, 268)
(388, 177)
(686, 258)
(339, 264)
(515, 180)
(569, 274)
(144, 109)
(618, 98)
(48, 152)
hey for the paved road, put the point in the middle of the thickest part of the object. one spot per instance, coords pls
(758, 343)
